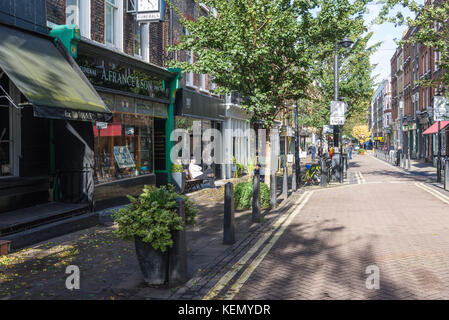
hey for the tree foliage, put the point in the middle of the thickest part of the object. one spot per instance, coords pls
(355, 86)
(431, 28)
(270, 51)
(361, 133)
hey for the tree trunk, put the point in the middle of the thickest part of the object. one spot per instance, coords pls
(268, 158)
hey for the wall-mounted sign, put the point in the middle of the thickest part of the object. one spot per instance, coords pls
(150, 10)
(116, 75)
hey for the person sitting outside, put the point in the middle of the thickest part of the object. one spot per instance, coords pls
(196, 172)
(257, 172)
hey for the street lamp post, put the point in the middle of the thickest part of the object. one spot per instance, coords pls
(346, 43)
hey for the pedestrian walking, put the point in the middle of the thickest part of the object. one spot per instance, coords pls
(350, 148)
(313, 151)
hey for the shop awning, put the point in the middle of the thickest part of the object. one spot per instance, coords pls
(47, 79)
(434, 127)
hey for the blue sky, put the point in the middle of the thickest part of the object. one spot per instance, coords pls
(385, 33)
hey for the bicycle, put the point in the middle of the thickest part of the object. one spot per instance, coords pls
(312, 175)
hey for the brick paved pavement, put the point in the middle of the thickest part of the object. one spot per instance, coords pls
(387, 221)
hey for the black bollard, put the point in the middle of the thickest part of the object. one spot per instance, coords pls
(446, 174)
(228, 223)
(285, 184)
(273, 191)
(177, 255)
(439, 170)
(324, 173)
(256, 198)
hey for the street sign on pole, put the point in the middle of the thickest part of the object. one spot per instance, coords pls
(338, 109)
(441, 108)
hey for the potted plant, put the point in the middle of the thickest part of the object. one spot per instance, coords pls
(149, 220)
(179, 177)
(361, 151)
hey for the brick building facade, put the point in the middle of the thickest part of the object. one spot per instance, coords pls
(411, 64)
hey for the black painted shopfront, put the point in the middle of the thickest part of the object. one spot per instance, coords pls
(130, 152)
(47, 107)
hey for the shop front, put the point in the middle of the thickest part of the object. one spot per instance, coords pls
(204, 111)
(237, 138)
(47, 108)
(131, 151)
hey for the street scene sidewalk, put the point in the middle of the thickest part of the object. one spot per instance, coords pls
(109, 267)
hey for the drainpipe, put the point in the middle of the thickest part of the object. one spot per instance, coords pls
(173, 86)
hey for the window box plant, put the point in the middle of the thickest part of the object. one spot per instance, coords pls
(150, 220)
(178, 177)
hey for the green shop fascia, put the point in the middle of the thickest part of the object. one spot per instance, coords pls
(133, 149)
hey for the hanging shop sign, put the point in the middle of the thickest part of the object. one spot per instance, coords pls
(111, 74)
(150, 10)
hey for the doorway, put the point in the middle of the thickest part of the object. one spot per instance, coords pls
(9, 129)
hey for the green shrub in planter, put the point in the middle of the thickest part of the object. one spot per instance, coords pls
(243, 194)
(153, 216)
(177, 168)
(361, 151)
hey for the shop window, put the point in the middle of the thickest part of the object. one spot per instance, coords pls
(123, 148)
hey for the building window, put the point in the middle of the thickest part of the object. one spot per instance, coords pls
(189, 59)
(72, 12)
(137, 40)
(203, 82)
(114, 23)
(437, 59)
(78, 12)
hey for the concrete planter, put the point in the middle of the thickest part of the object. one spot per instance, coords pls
(179, 181)
(5, 246)
(153, 263)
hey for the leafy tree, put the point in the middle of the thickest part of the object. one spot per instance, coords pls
(267, 50)
(361, 133)
(355, 86)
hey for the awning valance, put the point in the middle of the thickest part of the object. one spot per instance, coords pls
(46, 78)
(434, 127)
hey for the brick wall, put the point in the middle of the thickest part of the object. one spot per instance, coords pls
(97, 12)
(128, 32)
(56, 11)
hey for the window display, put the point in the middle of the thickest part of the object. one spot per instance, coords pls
(5, 143)
(123, 148)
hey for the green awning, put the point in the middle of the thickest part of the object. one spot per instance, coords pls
(46, 78)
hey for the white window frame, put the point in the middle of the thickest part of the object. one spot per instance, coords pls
(203, 82)
(117, 31)
(436, 59)
(82, 19)
(189, 75)
(131, 6)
